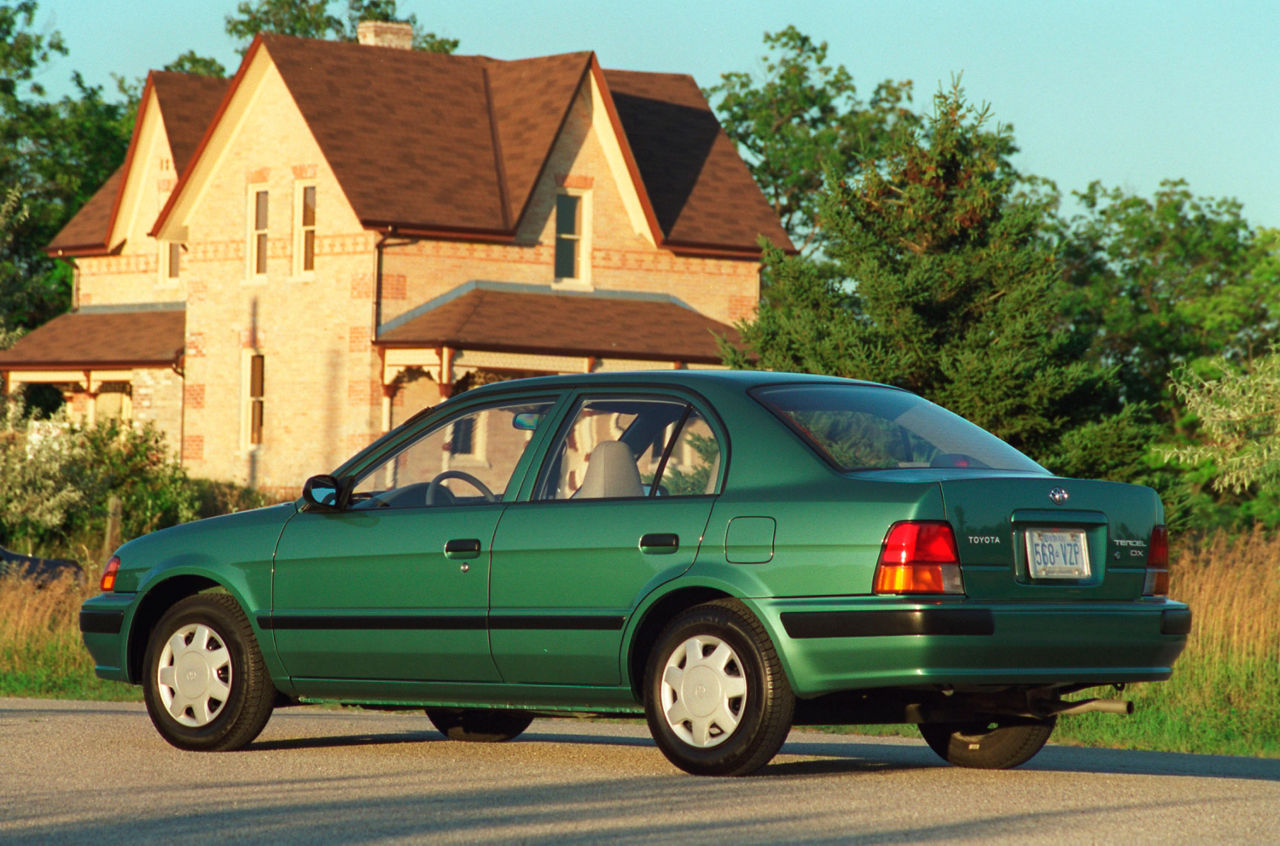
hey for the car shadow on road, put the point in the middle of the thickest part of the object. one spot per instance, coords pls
(862, 755)
(809, 755)
(337, 741)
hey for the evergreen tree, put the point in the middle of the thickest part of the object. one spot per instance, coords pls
(801, 119)
(948, 289)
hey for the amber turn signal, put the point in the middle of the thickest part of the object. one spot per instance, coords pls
(108, 582)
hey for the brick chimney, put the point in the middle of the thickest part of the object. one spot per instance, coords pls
(385, 34)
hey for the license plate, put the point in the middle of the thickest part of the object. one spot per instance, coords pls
(1057, 554)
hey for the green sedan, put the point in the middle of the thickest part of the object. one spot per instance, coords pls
(728, 553)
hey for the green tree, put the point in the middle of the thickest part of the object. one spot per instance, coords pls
(193, 62)
(315, 19)
(803, 119)
(1169, 281)
(1238, 412)
(55, 154)
(303, 18)
(948, 289)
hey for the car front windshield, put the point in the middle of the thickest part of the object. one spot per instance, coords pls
(867, 427)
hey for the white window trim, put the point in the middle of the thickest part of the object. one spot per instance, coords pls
(251, 273)
(583, 280)
(299, 233)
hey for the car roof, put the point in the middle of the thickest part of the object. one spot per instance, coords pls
(693, 379)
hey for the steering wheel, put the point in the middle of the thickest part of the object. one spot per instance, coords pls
(434, 487)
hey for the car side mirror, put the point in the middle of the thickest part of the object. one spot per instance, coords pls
(326, 493)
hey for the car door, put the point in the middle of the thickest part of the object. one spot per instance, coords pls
(394, 586)
(620, 507)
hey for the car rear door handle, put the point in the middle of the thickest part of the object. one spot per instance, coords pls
(659, 543)
(459, 548)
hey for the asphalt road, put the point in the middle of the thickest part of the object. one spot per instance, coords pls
(88, 772)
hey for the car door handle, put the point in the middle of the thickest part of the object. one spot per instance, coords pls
(462, 548)
(659, 543)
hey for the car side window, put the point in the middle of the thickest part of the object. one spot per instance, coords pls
(467, 459)
(619, 447)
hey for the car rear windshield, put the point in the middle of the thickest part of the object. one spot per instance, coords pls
(865, 427)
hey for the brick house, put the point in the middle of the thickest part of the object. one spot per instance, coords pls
(293, 261)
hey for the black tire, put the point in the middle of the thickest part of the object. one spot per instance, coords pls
(479, 725)
(996, 745)
(740, 699)
(225, 696)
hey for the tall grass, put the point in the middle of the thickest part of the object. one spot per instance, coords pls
(1224, 697)
(41, 653)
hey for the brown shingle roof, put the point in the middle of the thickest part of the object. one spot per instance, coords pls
(701, 190)
(499, 319)
(187, 103)
(407, 133)
(444, 144)
(530, 99)
(89, 229)
(98, 339)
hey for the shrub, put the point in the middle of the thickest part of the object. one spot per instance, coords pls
(58, 477)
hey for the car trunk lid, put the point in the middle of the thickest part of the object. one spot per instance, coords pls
(1048, 538)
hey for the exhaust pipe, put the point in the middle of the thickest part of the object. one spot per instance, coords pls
(1085, 706)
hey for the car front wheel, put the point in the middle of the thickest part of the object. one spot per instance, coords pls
(988, 746)
(716, 698)
(205, 683)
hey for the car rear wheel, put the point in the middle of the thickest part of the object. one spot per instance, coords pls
(716, 698)
(994, 745)
(205, 684)
(479, 725)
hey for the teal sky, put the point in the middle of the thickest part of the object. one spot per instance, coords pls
(1128, 92)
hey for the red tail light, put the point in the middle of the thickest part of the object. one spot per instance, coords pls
(108, 582)
(919, 556)
(1157, 581)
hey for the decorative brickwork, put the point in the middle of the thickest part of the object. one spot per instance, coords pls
(193, 448)
(364, 392)
(358, 338)
(361, 288)
(193, 396)
(394, 286)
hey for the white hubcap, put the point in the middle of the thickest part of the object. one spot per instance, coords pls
(194, 675)
(703, 691)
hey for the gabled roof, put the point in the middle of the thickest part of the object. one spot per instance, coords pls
(187, 102)
(110, 338)
(512, 318)
(449, 145)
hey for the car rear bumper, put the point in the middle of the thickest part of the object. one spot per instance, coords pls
(828, 645)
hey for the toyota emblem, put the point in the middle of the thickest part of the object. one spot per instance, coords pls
(1058, 496)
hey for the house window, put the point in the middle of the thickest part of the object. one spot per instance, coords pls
(568, 235)
(304, 239)
(258, 234)
(462, 440)
(255, 398)
(173, 261)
